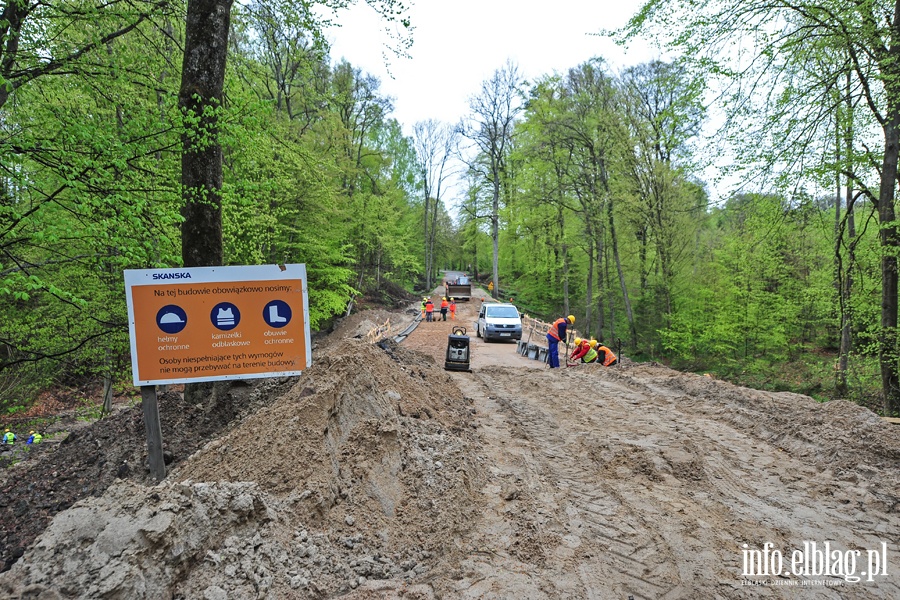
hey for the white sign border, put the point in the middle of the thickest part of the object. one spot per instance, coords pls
(225, 274)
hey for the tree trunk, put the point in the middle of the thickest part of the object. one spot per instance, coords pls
(845, 274)
(615, 248)
(642, 258)
(200, 100)
(474, 272)
(428, 258)
(589, 298)
(564, 249)
(612, 302)
(846, 290)
(662, 248)
(434, 223)
(495, 235)
(840, 376)
(890, 382)
(601, 288)
(107, 394)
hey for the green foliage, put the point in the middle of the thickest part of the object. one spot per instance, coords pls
(598, 208)
(314, 172)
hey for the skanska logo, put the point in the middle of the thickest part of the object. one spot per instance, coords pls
(179, 275)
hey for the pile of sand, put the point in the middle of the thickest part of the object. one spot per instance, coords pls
(362, 472)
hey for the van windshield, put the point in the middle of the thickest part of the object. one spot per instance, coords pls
(503, 312)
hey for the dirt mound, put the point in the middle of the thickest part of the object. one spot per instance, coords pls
(52, 476)
(363, 470)
(79, 459)
(367, 325)
(839, 437)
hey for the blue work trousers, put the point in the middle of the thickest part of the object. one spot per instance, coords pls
(553, 353)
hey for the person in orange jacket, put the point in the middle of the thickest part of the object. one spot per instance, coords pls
(429, 310)
(605, 356)
(444, 306)
(556, 333)
(452, 309)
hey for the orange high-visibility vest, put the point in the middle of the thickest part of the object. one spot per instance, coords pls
(444, 304)
(554, 329)
(429, 306)
(608, 357)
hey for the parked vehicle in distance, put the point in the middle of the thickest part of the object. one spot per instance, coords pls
(499, 322)
(459, 288)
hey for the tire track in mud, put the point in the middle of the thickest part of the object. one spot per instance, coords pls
(633, 492)
(601, 544)
(753, 492)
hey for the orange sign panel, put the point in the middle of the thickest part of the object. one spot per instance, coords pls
(213, 323)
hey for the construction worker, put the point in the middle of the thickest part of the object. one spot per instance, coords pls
(444, 306)
(584, 351)
(605, 356)
(424, 300)
(429, 310)
(556, 333)
(9, 438)
(34, 438)
(452, 309)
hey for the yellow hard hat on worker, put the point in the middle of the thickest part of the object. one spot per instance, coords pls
(593, 343)
(570, 319)
(577, 341)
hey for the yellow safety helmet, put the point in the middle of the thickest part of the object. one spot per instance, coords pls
(570, 319)
(31, 432)
(577, 341)
(444, 298)
(593, 343)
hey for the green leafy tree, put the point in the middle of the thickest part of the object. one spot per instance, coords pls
(786, 39)
(493, 114)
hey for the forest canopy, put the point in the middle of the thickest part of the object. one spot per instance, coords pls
(577, 192)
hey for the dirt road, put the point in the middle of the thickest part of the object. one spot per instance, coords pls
(377, 474)
(640, 481)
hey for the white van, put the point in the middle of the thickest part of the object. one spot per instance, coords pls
(499, 322)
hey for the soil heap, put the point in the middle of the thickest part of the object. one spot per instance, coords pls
(362, 470)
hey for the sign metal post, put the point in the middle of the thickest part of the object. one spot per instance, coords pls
(153, 431)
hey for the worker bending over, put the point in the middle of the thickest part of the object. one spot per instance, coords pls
(556, 333)
(584, 351)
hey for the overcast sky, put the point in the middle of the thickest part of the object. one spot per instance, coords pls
(458, 44)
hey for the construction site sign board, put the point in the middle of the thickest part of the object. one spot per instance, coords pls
(214, 323)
